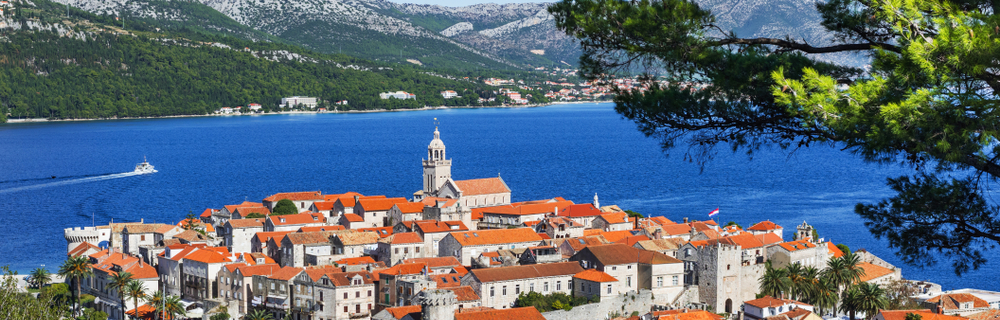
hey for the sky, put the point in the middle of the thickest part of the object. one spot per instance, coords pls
(460, 3)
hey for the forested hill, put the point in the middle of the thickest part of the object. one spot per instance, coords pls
(86, 66)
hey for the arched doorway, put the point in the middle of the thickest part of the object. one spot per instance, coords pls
(729, 305)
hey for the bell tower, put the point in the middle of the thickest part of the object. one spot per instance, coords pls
(437, 168)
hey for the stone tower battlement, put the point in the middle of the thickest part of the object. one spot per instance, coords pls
(93, 235)
(438, 304)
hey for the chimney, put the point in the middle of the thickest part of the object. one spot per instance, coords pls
(356, 198)
(685, 220)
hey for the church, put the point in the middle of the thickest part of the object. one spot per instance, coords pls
(438, 184)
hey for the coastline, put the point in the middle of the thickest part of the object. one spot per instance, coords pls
(44, 120)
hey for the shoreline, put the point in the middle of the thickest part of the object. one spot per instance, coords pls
(44, 120)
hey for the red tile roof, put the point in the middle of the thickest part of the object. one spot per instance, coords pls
(350, 217)
(83, 248)
(528, 209)
(404, 268)
(580, 210)
(595, 276)
(436, 262)
(410, 207)
(380, 204)
(246, 211)
(246, 204)
(295, 196)
(482, 186)
(264, 236)
(259, 270)
(925, 314)
(614, 254)
(953, 301)
(381, 231)
(615, 236)
(768, 238)
(797, 245)
(294, 219)
(744, 240)
(525, 313)
(497, 236)
(403, 238)
(435, 202)
(400, 312)
(527, 271)
(992, 314)
(324, 205)
(434, 226)
(631, 240)
(355, 261)
(334, 197)
(246, 223)
(207, 213)
(685, 314)
(873, 272)
(207, 256)
(448, 280)
(834, 251)
(616, 217)
(766, 225)
(769, 301)
(464, 293)
(286, 273)
(321, 228)
(316, 237)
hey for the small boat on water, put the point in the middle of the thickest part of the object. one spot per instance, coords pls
(144, 167)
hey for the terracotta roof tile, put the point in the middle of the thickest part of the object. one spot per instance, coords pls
(246, 204)
(334, 197)
(324, 205)
(295, 196)
(438, 202)
(243, 212)
(766, 225)
(381, 231)
(294, 219)
(662, 244)
(264, 236)
(992, 314)
(525, 313)
(615, 236)
(286, 273)
(464, 293)
(614, 254)
(246, 223)
(83, 248)
(400, 312)
(953, 301)
(616, 217)
(528, 209)
(685, 314)
(207, 213)
(497, 236)
(482, 186)
(834, 251)
(207, 256)
(403, 238)
(580, 210)
(358, 238)
(316, 237)
(404, 268)
(448, 280)
(769, 301)
(582, 242)
(797, 245)
(410, 207)
(350, 217)
(435, 262)
(259, 270)
(769, 238)
(321, 228)
(434, 226)
(631, 240)
(595, 276)
(873, 272)
(380, 204)
(797, 313)
(145, 228)
(528, 271)
(925, 314)
(356, 261)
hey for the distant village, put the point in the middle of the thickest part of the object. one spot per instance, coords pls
(461, 249)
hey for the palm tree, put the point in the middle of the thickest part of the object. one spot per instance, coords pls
(75, 269)
(119, 281)
(156, 300)
(844, 272)
(258, 315)
(40, 277)
(173, 307)
(136, 291)
(870, 299)
(825, 297)
(774, 282)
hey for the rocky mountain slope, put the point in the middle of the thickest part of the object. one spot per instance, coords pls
(477, 36)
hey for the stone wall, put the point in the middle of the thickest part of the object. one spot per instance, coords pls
(622, 305)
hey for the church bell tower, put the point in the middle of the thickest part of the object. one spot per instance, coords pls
(437, 169)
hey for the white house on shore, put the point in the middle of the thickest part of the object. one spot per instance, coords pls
(403, 95)
(305, 102)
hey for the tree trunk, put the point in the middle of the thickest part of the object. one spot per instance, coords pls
(76, 283)
(852, 315)
(123, 304)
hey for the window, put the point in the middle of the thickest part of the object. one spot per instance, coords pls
(609, 289)
(357, 308)
(397, 250)
(321, 295)
(345, 295)
(675, 280)
(503, 290)
(418, 249)
(614, 268)
(357, 294)
(142, 238)
(659, 281)
(630, 267)
(558, 285)
(517, 289)
(727, 267)
(492, 294)
(406, 250)
(545, 287)
(272, 285)
(345, 309)
(369, 293)
(628, 281)
(531, 287)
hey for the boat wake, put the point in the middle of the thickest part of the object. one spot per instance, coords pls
(72, 181)
(62, 178)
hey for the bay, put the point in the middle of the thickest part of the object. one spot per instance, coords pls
(570, 151)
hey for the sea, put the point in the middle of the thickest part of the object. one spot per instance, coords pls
(572, 151)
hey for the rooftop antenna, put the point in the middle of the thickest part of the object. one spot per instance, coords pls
(436, 123)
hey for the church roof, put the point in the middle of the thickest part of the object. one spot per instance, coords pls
(482, 186)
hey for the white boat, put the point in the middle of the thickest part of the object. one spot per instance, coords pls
(144, 167)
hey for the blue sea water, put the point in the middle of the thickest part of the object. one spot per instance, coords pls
(570, 151)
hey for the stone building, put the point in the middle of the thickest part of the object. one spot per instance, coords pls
(236, 234)
(470, 244)
(437, 181)
(635, 269)
(560, 228)
(726, 270)
(302, 200)
(804, 252)
(499, 287)
(400, 246)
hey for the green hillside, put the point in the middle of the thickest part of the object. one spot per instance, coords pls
(51, 73)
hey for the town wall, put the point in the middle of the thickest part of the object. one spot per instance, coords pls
(623, 305)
